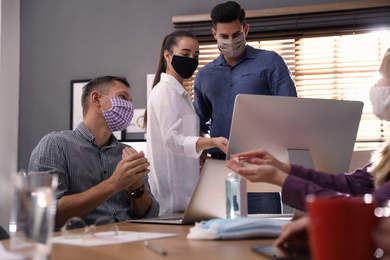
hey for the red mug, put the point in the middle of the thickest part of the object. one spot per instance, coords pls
(342, 228)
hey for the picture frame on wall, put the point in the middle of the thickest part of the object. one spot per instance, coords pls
(135, 131)
(76, 113)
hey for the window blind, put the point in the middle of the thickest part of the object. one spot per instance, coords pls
(299, 20)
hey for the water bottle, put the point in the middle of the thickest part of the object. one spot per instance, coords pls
(236, 196)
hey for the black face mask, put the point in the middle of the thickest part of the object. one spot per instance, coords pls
(184, 66)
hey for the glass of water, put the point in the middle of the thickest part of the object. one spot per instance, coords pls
(32, 215)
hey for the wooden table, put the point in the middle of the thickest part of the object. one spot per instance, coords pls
(177, 247)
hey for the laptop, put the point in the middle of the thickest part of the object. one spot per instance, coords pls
(207, 201)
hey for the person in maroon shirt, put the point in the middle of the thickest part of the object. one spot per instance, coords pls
(297, 182)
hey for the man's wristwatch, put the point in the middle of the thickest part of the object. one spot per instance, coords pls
(135, 194)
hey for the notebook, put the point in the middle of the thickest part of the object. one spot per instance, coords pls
(207, 201)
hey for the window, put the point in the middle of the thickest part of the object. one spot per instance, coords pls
(342, 67)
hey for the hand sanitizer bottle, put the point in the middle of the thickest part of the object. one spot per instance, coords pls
(236, 196)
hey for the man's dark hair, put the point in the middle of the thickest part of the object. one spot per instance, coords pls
(102, 84)
(226, 13)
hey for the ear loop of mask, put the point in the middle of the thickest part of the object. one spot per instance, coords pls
(108, 98)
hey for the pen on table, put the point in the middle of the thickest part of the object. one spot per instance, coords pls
(155, 248)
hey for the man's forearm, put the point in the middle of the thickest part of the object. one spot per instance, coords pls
(83, 203)
(139, 207)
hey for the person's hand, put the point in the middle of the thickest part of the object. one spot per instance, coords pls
(128, 151)
(258, 173)
(382, 237)
(262, 157)
(130, 170)
(294, 238)
(222, 143)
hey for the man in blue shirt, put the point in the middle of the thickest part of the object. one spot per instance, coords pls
(239, 69)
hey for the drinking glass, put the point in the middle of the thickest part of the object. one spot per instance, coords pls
(32, 215)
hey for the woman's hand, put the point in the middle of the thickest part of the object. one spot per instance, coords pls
(258, 173)
(222, 143)
(294, 238)
(262, 157)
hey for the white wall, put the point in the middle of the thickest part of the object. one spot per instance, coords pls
(9, 99)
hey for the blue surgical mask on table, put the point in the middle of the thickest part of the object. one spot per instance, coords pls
(232, 48)
(184, 66)
(239, 228)
(119, 116)
(380, 100)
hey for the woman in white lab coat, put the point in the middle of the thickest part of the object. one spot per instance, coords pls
(173, 142)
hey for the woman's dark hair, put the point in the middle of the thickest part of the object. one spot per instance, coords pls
(102, 84)
(168, 43)
(226, 13)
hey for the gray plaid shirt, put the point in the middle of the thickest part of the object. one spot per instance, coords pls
(80, 165)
